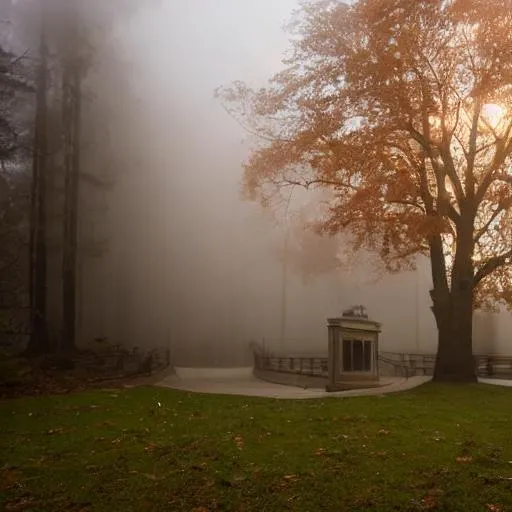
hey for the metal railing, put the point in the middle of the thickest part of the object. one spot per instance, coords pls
(402, 364)
(298, 365)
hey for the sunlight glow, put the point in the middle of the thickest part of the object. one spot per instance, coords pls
(434, 121)
(493, 114)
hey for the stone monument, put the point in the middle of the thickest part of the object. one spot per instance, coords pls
(353, 350)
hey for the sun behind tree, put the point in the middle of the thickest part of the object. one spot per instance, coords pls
(404, 111)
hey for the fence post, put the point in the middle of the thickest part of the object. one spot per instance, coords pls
(334, 340)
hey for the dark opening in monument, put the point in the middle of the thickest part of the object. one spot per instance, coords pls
(367, 356)
(347, 355)
(357, 356)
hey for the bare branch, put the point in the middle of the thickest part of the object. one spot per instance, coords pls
(492, 265)
(253, 131)
(407, 203)
(502, 152)
(470, 167)
(501, 208)
(309, 183)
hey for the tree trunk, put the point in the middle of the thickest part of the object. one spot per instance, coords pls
(453, 310)
(72, 122)
(39, 342)
(455, 361)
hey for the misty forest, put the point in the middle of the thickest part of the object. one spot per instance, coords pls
(203, 201)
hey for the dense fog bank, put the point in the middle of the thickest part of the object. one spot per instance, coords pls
(189, 264)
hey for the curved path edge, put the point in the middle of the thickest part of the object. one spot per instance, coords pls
(241, 382)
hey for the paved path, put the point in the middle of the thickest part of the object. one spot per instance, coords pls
(240, 381)
(497, 382)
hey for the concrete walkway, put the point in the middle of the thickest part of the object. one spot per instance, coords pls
(240, 381)
(497, 382)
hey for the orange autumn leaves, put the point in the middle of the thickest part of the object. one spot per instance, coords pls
(385, 104)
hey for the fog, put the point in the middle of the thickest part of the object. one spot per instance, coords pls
(189, 264)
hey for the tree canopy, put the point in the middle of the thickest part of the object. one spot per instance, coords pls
(404, 111)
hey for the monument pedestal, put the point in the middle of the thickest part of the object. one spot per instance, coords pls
(353, 351)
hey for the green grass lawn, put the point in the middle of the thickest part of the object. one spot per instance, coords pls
(434, 448)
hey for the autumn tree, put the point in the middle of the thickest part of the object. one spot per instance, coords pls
(308, 253)
(403, 111)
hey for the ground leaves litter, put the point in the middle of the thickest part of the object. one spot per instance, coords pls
(431, 449)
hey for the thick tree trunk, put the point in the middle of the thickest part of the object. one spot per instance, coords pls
(453, 310)
(455, 361)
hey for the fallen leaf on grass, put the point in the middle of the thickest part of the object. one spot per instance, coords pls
(435, 492)
(464, 459)
(239, 442)
(291, 478)
(9, 477)
(150, 476)
(383, 432)
(199, 467)
(495, 478)
(58, 430)
(320, 451)
(429, 502)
